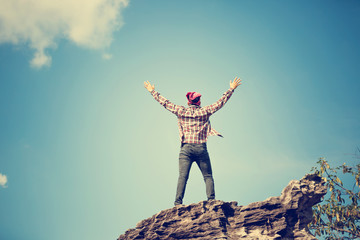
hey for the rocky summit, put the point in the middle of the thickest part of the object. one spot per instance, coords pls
(283, 217)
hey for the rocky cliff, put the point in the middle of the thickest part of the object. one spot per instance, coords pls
(283, 217)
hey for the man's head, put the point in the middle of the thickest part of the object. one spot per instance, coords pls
(193, 98)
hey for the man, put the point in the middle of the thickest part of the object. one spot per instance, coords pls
(194, 129)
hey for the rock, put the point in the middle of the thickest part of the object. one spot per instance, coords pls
(283, 217)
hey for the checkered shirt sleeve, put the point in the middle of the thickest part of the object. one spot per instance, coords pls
(211, 109)
(176, 109)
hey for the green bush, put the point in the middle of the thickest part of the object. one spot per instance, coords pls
(338, 215)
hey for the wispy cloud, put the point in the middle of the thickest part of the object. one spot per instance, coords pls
(106, 56)
(3, 180)
(41, 23)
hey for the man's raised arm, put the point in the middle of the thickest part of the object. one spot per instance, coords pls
(225, 97)
(163, 101)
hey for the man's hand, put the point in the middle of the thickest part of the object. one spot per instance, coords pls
(235, 83)
(148, 86)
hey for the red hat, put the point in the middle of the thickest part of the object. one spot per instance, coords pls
(193, 98)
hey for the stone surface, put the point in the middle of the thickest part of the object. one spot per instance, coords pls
(283, 217)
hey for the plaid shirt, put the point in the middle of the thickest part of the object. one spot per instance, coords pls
(194, 124)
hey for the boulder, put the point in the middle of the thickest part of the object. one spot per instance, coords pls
(283, 217)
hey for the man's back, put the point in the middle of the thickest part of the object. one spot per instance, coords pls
(194, 124)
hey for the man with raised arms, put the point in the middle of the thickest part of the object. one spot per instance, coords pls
(194, 129)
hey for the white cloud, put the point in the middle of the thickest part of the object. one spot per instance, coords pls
(3, 180)
(106, 56)
(40, 23)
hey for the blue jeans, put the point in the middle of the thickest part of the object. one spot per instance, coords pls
(189, 153)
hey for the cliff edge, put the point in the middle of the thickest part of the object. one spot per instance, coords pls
(283, 217)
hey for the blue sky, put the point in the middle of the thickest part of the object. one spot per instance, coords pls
(85, 152)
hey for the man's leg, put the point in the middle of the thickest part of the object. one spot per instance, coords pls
(203, 161)
(184, 169)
